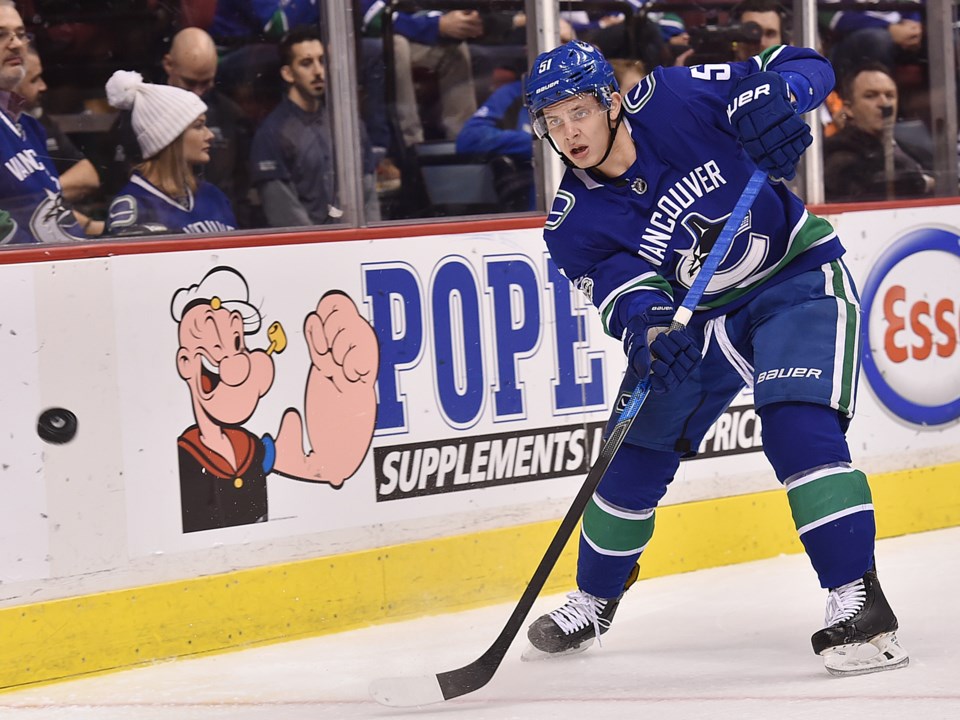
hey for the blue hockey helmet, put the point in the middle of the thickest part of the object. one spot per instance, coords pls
(576, 68)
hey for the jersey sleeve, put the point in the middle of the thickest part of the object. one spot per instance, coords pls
(707, 88)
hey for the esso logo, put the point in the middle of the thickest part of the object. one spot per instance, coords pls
(911, 309)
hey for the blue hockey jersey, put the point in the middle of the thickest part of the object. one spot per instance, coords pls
(141, 207)
(30, 186)
(650, 229)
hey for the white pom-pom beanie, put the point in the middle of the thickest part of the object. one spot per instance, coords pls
(160, 112)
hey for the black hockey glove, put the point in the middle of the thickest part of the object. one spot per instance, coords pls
(666, 357)
(772, 133)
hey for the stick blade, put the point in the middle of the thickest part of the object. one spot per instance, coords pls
(407, 691)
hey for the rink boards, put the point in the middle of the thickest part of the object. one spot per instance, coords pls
(493, 385)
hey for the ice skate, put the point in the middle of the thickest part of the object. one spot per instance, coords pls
(573, 627)
(859, 634)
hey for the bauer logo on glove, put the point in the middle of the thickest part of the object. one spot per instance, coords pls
(772, 133)
(743, 98)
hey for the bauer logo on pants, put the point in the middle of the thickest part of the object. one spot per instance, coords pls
(911, 311)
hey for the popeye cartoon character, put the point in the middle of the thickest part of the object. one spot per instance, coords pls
(224, 467)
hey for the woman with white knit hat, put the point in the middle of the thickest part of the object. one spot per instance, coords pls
(164, 194)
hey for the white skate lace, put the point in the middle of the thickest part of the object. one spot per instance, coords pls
(580, 610)
(844, 602)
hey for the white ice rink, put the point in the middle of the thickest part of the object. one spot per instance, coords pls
(724, 643)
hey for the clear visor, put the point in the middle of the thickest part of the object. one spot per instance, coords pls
(576, 110)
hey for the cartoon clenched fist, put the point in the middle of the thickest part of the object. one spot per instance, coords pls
(340, 406)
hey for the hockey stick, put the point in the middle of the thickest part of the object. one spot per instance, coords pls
(429, 689)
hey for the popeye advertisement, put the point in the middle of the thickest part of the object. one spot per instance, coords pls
(223, 466)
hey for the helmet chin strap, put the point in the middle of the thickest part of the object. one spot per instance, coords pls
(613, 134)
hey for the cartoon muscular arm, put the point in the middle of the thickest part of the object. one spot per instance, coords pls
(340, 404)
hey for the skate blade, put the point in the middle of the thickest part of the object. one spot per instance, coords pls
(532, 654)
(877, 655)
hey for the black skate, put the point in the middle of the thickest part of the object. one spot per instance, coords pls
(859, 636)
(573, 627)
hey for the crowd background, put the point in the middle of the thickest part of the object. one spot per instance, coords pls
(372, 111)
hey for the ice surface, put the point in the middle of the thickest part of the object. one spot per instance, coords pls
(727, 643)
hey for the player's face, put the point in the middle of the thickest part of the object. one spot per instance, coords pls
(769, 23)
(872, 92)
(13, 45)
(196, 142)
(32, 86)
(579, 127)
(306, 71)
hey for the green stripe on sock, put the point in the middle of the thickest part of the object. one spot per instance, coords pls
(615, 534)
(825, 496)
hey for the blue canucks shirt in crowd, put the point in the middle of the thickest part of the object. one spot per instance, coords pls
(650, 229)
(30, 186)
(500, 125)
(140, 205)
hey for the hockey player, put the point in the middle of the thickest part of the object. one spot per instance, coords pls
(663, 167)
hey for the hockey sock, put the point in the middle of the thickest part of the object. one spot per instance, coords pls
(830, 500)
(833, 512)
(611, 541)
(619, 519)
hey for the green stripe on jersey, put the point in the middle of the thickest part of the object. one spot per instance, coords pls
(769, 55)
(612, 531)
(827, 495)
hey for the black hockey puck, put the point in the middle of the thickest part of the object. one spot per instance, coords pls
(57, 425)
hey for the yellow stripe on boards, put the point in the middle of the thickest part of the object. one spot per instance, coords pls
(52, 640)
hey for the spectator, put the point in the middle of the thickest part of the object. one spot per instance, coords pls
(249, 30)
(78, 176)
(263, 19)
(500, 128)
(434, 41)
(163, 194)
(632, 36)
(292, 156)
(29, 184)
(769, 15)
(191, 64)
(862, 36)
(862, 161)
(676, 39)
